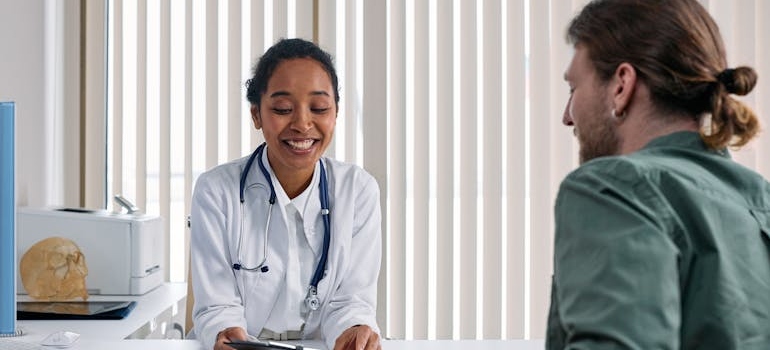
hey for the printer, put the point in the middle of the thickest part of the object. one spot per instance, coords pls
(124, 253)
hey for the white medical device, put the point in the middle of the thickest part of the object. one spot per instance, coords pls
(124, 253)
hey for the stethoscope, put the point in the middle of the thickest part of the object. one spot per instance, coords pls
(311, 300)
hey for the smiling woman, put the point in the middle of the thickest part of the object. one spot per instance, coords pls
(293, 96)
(297, 112)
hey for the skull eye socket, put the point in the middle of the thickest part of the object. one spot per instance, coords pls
(56, 259)
(75, 258)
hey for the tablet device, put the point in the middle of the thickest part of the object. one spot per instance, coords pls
(264, 345)
(67, 310)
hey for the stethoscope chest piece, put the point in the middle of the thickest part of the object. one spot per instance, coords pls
(311, 300)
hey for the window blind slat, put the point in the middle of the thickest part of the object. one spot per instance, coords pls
(762, 107)
(258, 45)
(280, 20)
(515, 164)
(418, 181)
(92, 124)
(432, 162)
(151, 160)
(395, 236)
(188, 126)
(164, 128)
(492, 178)
(327, 39)
(741, 43)
(541, 192)
(375, 102)
(350, 69)
(131, 105)
(444, 120)
(117, 85)
(211, 84)
(235, 115)
(468, 169)
(141, 104)
(564, 154)
(304, 19)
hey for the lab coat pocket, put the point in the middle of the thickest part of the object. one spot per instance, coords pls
(250, 282)
(763, 219)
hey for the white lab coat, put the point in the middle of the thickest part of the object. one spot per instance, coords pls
(225, 297)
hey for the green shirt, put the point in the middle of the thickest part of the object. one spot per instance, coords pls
(665, 248)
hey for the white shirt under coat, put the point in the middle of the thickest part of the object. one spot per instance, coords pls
(254, 300)
(305, 238)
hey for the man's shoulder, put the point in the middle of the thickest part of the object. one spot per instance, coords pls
(625, 168)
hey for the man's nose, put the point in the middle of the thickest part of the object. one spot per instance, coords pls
(566, 118)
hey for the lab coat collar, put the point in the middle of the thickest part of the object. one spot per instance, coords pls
(311, 214)
(281, 196)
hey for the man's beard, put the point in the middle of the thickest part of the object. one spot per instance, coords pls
(598, 140)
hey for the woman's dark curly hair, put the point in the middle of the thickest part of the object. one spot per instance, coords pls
(286, 49)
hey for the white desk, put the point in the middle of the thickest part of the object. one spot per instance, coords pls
(168, 301)
(153, 317)
(91, 344)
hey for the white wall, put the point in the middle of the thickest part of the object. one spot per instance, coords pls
(32, 73)
(22, 81)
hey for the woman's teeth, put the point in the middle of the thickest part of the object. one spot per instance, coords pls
(300, 145)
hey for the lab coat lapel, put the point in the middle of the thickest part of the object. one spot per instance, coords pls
(261, 292)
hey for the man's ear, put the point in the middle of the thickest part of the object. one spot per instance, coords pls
(624, 86)
(255, 117)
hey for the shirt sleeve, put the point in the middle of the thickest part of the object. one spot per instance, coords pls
(615, 278)
(217, 300)
(354, 302)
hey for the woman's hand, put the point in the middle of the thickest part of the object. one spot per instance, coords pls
(360, 337)
(227, 335)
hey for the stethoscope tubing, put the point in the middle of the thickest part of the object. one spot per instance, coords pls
(312, 299)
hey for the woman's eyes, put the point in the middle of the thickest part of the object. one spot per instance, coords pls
(284, 111)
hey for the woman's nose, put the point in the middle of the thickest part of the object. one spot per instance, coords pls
(302, 121)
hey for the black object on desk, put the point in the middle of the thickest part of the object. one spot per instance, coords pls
(73, 310)
(263, 345)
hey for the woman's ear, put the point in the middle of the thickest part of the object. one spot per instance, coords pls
(255, 117)
(624, 86)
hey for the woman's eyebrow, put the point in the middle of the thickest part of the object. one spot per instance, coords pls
(286, 93)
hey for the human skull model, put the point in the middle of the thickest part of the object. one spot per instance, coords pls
(54, 269)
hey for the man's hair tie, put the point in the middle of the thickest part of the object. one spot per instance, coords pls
(727, 79)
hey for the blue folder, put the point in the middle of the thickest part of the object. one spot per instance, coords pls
(7, 221)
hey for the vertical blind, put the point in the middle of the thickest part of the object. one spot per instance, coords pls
(453, 105)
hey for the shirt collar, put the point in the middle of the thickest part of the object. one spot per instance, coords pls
(685, 139)
(281, 196)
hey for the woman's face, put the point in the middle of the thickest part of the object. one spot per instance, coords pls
(297, 115)
(589, 109)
